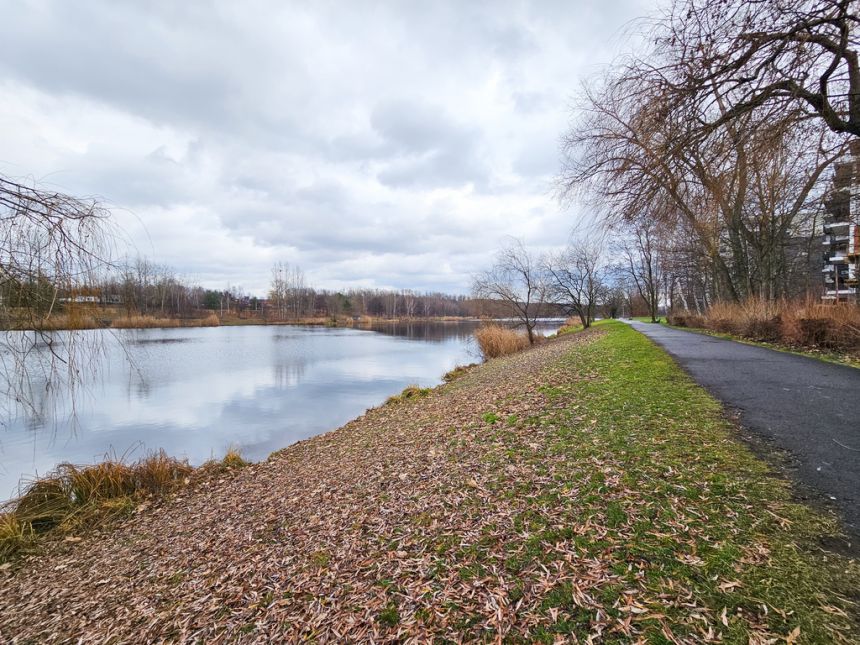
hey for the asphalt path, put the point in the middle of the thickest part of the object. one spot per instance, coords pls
(806, 407)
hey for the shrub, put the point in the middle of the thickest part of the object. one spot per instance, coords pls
(495, 341)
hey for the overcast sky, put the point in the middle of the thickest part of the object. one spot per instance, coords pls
(381, 144)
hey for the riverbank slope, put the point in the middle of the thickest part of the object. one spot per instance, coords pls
(585, 486)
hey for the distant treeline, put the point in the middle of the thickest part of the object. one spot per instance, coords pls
(142, 287)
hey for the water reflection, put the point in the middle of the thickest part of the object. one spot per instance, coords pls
(432, 332)
(197, 392)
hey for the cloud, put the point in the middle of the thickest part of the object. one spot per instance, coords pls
(382, 144)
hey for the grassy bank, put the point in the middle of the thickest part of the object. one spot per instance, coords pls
(582, 488)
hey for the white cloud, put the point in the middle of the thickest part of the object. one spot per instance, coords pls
(377, 143)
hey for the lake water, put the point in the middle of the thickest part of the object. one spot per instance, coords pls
(197, 392)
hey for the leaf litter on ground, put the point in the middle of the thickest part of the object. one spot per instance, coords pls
(607, 501)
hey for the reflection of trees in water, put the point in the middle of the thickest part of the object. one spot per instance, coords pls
(427, 331)
(289, 374)
(28, 396)
(437, 332)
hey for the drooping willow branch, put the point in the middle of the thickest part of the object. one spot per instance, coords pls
(52, 246)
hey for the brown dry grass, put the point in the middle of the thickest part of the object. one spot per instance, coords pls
(74, 496)
(211, 320)
(144, 322)
(805, 323)
(59, 322)
(495, 341)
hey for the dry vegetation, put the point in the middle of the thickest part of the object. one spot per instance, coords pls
(76, 319)
(570, 326)
(583, 491)
(409, 392)
(73, 498)
(144, 322)
(495, 341)
(804, 323)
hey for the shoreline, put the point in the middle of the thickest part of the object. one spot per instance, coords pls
(153, 322)
(584, 487)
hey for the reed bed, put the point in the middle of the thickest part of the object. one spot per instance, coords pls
(570, 326)
(144, 322)
(58, 322)
(211, 320)
(806, 322)
(495, 341)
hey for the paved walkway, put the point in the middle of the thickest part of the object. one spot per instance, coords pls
(805, 406)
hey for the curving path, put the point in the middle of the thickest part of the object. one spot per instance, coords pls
(805, 406)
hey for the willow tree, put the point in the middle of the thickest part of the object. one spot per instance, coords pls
(786, 55)
(52, 246)
(744, 190)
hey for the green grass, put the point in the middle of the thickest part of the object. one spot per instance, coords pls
(458, 372)
(676, 508)
(409, 393)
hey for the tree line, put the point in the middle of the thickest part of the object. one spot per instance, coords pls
(140, 286)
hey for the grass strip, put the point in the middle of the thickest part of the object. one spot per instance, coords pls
(701, 540)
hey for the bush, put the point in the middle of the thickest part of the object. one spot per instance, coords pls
(495, 341)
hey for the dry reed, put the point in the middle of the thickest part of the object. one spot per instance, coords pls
(211, 320)
(73, 496)
(144, 322)
(495, 341)
(805, 322)
(59, 322)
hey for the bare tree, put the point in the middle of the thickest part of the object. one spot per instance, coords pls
(577, 278)
(51, 246)
(750, 54)
(743, 191)
(516, 280)
(639, 247)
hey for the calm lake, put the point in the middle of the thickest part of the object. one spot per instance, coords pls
(197, 392)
